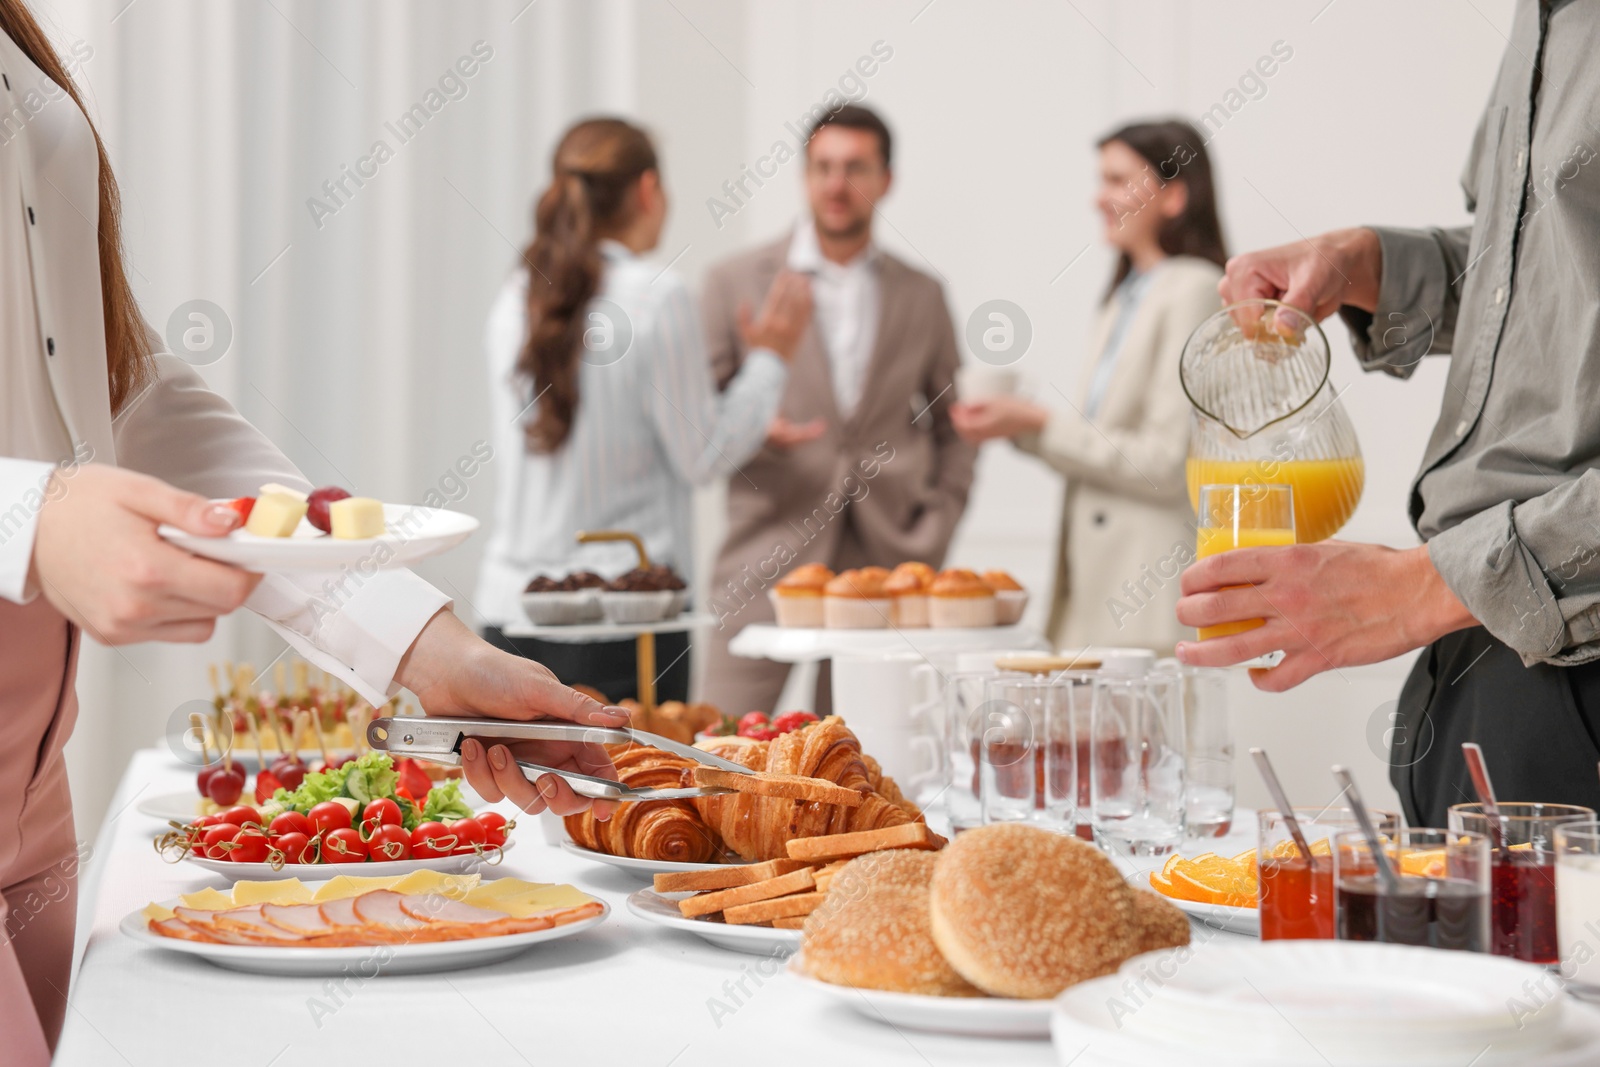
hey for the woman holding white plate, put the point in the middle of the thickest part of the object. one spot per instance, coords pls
(102, 439)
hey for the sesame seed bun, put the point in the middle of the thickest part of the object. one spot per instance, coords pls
(872, 930)
(1159, 923)
(1023, 912)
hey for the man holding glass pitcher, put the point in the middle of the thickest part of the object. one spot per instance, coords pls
(1504, 596)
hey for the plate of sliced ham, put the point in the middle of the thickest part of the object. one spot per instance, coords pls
(308, 930)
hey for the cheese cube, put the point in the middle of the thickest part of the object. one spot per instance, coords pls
(275, 515)
(281, 490)
(356, 517)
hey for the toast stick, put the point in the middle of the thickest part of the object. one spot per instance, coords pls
(845, 846)
(783, 885)
(779, 786)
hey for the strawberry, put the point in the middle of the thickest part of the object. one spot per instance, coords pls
(792, 720)
(243, 505)
(753, 721)
(266, 784)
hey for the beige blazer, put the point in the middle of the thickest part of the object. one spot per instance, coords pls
(884, 485)
(1127, 529)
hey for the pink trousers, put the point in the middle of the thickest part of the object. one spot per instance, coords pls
(39, 855)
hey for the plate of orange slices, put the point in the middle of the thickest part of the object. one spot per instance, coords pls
(1218, 890)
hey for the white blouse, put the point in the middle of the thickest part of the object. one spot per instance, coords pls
(55, 408)
(650, 426)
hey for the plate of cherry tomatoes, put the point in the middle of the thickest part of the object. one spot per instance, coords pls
(370, 840)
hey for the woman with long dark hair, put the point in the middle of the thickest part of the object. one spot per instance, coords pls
(103, 438)
(1121, 443)
(603, 393)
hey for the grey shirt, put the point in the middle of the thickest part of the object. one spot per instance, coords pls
(1508, 496)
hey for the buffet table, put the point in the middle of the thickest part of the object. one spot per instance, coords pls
(625, 992)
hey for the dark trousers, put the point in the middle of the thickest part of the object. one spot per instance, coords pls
(1539, 727)
(609, 666)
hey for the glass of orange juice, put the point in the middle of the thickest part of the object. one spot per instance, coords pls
(1242, 516)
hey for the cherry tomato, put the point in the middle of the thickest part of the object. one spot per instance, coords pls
(243, 815)
(469, 834)
(432, 839)
(217, 841)
(225, 786)
(295, 846)
(291, 822)
(380, 812)
(330, 815)
(389, 842)
(494, 828)
(250, 846)
(343, 846)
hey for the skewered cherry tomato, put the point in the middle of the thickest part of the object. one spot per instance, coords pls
(250, 845)
(296, 847)
(389, 842)
(330, 815)
(217, 841)
(291, 822)
(380, 812)
(242, 815)
(469, 834)
(432, 839)
(343, 846)
(494, 828)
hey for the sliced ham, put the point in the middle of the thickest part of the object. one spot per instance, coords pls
(306, 919)
(250, 922)
(381, 909)
(204, 921)
(473, 920)
(341, 914)
(176, 927)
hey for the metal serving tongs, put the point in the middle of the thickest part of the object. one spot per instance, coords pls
(439, 741)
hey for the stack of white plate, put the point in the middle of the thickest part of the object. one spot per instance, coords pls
(1324, 1004)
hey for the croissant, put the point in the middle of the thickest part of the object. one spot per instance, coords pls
(758, 828)
(662, 830)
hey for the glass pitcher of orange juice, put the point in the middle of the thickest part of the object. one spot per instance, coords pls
(1265, 413)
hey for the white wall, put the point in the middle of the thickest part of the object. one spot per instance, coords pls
(357, 351)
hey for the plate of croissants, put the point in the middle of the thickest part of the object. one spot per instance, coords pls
(980, 936)
(812, 782)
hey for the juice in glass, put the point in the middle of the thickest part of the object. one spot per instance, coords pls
(1326, 491)
(1209, 540)
(1295, 896)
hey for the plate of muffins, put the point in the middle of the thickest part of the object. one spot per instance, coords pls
(911, 596)
(979, 937)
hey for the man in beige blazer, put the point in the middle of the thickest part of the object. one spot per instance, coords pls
(862, 465)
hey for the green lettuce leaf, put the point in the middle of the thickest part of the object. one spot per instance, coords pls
(370, 777)
(444, 802)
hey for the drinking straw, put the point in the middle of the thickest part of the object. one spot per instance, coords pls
(1391, 881)
(1281, 798)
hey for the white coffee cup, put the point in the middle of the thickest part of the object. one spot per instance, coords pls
(980, 381)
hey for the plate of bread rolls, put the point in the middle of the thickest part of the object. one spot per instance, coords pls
(979, 937)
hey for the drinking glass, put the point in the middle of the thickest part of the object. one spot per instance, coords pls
(1208, 748)
(1440, 898)
(1578, 903)
(963, 729)
(1522, 877)
(1136, 764)
(1295, 894)
(1027, 763)
(1242, 516)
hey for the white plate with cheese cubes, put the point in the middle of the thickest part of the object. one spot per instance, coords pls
(366, 535)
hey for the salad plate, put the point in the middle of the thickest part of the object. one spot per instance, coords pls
(972, 1016)
(412, 532)
(402, 958)
(661, 909)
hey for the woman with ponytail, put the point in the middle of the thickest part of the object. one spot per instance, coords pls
(605, 412)
(103, 437)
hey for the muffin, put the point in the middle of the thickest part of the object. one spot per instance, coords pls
(644, 594)
(959, 598)
(797, 598)
(908, 588)
(1010, 599)
(549, 601)
(856, 600)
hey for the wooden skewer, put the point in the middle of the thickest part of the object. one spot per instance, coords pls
(280, 676)
(255, 737)
(197, 723)
(225, 752)
(211, 673)
(316, 731)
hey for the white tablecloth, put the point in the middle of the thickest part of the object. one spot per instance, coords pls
(626, 992)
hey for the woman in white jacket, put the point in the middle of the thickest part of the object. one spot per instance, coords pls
(101, 440)
(1126, 528)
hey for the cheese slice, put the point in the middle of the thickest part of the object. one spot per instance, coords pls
(522, 900)
(207, 899)
(275, 515)
(156, 913)
(286, 891)
(355, 518)
(351, 885)
(454, 886)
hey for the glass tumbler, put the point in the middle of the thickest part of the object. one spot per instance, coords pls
(1136, 764)
(1439, 897)
(1522, 879)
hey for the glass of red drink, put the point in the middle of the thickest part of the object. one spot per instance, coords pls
(1439, 897)
(1295, 894)
(1027, 753)
(1522, 877)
